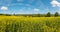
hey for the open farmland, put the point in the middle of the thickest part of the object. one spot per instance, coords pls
(29, 24)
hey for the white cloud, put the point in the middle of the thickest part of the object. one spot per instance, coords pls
(4, 8)
(55, 3)
(36, 11)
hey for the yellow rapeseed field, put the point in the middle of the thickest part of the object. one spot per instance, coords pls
(29, 24)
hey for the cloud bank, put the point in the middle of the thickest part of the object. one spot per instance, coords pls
(4, 8)
(55, 3)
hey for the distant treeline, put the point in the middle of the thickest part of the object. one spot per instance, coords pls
(34, 15)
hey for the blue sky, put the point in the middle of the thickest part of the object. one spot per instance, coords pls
(29, 6)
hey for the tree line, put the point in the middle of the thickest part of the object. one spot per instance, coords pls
(44, 15)
(49, 14)
(34, 15)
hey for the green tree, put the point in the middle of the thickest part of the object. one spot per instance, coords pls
(48, 14)
(56, 14)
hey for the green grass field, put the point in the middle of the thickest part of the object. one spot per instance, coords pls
(29, 24)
